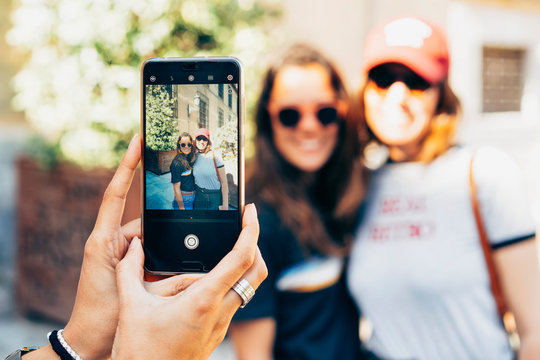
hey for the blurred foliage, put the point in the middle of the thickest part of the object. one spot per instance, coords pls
(226, 139)
(79, 86)
(161, 125)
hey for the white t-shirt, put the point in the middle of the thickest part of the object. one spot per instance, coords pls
(417, 270)
(205, 171)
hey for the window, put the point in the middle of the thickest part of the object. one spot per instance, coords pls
(220, 90)
(502, 78)
(220, 117)
(203, 112)
(175, 101)
(173, 93)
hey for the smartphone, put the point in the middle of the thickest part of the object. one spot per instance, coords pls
(192, 121)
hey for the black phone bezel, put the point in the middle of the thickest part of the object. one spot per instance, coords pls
(177, 71)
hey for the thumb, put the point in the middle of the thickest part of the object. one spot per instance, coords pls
(130, 272)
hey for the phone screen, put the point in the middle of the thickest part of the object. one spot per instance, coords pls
(192, 162)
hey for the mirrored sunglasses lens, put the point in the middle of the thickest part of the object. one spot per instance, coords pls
(289, 117)
(327, 115)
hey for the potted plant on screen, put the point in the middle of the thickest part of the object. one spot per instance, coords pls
(161, 129)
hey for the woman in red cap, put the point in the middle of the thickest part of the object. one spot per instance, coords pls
(307, 191)
(211, 188)
(417, 268)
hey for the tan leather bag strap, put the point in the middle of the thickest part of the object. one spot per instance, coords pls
(486, 246)
(215, 166)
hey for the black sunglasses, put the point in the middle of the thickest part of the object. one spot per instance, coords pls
(201, 138)
(290, 117)
(384, 78)
(185, 144)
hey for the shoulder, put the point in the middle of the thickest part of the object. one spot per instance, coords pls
(176, 164)
(492, 165)
(493, 159)
(268, 216)
(274, 236)
(217, 156)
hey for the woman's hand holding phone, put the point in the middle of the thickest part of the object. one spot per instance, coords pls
(91, 328)
(196, 308)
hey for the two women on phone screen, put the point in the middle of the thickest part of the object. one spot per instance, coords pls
(198, 174)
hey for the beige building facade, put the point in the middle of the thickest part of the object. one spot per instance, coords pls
(208, 106)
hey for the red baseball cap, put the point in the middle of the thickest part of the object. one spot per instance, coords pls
(202, 131)
(411, 41)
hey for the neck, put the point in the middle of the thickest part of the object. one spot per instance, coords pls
(404, 153)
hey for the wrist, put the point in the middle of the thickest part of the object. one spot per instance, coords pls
(82, 342)
(42, 353)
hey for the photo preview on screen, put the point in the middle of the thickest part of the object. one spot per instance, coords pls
(191, 146)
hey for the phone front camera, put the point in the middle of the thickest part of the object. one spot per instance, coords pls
(191, 77)
(152, 78)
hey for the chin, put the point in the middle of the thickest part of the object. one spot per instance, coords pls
(311, 166)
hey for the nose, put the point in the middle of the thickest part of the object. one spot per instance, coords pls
(398, 92)
(308, 121)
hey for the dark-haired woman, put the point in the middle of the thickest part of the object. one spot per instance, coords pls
(308, 188)
(182, 173)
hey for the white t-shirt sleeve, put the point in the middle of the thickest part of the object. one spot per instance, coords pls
(502, 195)
(219, 160)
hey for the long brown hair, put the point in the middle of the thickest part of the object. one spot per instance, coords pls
(185, 160)
(440, 136)
(321, 210)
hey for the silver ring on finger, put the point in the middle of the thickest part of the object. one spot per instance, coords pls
(244, 289)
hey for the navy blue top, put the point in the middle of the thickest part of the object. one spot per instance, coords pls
(306, 295)
(185, 176)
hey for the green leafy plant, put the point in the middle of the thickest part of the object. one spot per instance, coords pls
(79, 87)
(161, 129)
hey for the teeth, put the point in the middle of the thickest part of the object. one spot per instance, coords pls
(310, 144)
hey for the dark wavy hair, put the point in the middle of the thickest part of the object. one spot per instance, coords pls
(322, 212)
(186, 160)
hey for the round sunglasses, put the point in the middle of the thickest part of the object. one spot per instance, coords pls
(290, 117)
(185, 144)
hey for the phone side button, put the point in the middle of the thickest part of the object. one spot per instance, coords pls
(191, 241)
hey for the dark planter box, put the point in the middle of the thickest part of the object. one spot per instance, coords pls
(56, 212)
(159, 162)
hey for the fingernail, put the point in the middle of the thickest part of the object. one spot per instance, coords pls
(253, 209)
(134, 243)
(133, 138)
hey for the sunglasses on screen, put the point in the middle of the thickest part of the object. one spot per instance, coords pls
(185, 144)
(201, 138)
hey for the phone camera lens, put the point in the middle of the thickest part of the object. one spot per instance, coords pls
(191, 77)
(229, 77)
(152, 78)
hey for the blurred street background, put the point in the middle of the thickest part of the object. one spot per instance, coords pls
(55, 89)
